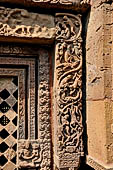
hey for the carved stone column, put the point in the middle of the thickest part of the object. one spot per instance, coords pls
(68, 92)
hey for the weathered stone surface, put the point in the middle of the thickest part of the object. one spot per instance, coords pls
(20, 23)
(99, 121)
(98, 54)
(96, 130)
(99, 86)
(17, 16)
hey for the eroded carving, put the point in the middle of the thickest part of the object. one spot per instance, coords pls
(68, 90)
(86, 1)
(18, 16)
(27, 31)
(21, 23)
(30, 154)
(65, 2)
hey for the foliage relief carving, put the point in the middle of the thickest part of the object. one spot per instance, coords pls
(68, 90)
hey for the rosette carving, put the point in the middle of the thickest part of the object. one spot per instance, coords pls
(68, 90)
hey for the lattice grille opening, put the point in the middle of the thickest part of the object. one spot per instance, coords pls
(8, 119)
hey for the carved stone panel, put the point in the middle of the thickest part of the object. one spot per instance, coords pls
(21, 24)
(68, 91)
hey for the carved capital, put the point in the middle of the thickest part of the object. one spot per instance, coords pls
(68, 91)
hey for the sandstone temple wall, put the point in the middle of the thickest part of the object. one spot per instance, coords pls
(60, 53)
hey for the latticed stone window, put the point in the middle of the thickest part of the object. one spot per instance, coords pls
(8, 121)
(24, 109)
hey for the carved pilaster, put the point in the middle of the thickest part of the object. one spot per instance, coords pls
(68, 91)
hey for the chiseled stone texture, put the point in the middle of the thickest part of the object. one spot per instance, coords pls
(99, 103)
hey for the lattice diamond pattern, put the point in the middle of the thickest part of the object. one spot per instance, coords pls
(4, 107)
(4, 94)
(8, 122)
(4, 134)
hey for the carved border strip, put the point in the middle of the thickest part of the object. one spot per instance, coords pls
(68, 91)
(23, 31)
(44, 160)
(44, 108)
(20, 50)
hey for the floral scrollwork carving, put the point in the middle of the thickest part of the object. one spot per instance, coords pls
(68, 89)
(30, 154)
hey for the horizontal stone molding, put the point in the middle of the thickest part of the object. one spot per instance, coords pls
(76, 5)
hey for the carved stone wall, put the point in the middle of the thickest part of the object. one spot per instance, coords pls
(34, 137)
(31, 65)
(62, 32)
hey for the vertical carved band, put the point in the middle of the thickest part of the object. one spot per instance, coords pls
(68, 91)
